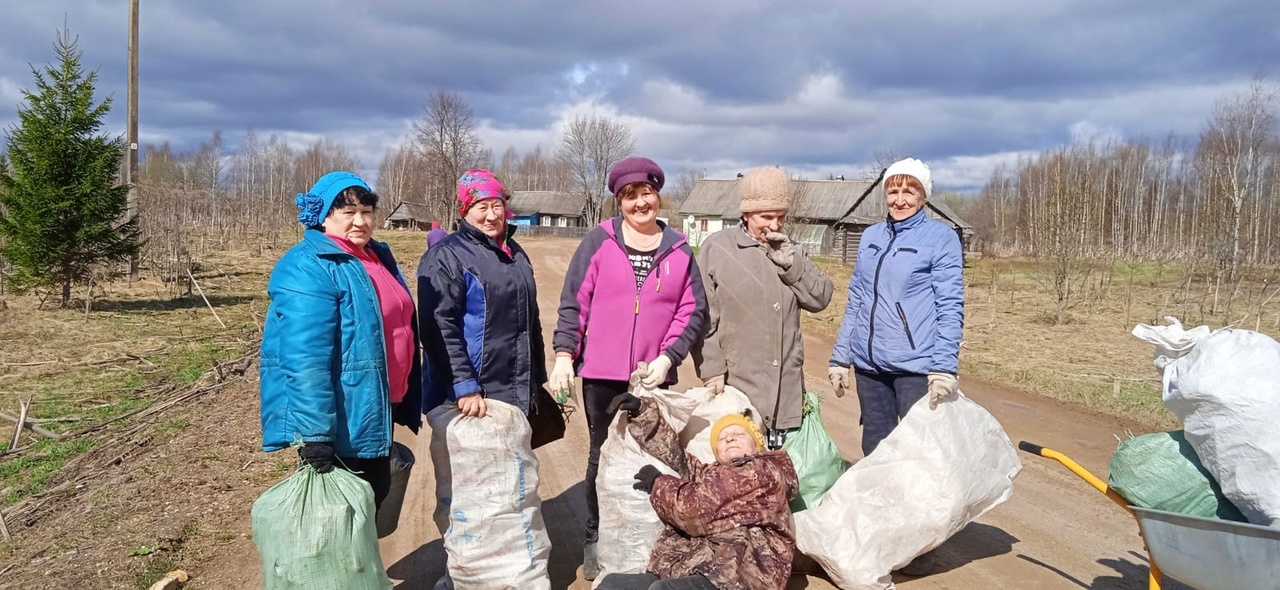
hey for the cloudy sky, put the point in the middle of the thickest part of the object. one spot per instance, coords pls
(818, 86)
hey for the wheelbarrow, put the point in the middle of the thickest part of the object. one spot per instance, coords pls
(1204, 553)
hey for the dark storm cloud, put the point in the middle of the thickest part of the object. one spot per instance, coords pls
(819, 85)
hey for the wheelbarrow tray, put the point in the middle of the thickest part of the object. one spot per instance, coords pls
(1211, 554)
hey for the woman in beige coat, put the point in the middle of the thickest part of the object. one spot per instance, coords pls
(757, 281)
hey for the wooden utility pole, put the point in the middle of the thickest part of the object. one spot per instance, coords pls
(131, 169)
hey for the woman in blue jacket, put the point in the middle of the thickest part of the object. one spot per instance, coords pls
(903, 321)
(479, 305)
(340, 349)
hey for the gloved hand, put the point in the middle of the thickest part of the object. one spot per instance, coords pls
(658, 369)
(318, 455)
(624, 401)
(941, 386)
(561, 379)
(780, 250)
(715, 384)
(645, 478)
(839, 377)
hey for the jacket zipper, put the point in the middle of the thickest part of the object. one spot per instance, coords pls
(902, 315)
(635, 317)
(875, 293)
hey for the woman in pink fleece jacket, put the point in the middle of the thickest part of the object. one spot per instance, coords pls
(632, 294)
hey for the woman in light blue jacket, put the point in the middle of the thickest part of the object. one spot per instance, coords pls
(902, 324)
(340, 350)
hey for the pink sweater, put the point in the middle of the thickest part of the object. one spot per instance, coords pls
(397, 317)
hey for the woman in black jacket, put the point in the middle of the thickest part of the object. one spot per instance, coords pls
(478, 306)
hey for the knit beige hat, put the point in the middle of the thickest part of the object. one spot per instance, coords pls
(764, 189)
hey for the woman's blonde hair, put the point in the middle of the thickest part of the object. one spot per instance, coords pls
(899, 180)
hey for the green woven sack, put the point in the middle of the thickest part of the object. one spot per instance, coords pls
(316, 531)
(1161, 471)
(817, 461)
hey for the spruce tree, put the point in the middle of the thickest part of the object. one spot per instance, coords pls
(62, 206)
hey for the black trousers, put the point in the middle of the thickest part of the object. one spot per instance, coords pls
(652, 582)
(376, 471)
(596, 395)
(884, 399)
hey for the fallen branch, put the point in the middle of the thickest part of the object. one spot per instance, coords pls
(14, 451)
(36, 428)
(62, 419)
(206, 299)
(23, 406)
(30, 364)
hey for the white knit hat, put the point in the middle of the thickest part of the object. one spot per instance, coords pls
(915, 168)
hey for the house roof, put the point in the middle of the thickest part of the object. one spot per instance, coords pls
(812, 200)
(871, 208)
(546, 203)
(407, 211)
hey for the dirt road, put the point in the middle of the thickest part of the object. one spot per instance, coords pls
(1054, 533)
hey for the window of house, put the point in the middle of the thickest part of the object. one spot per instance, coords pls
(702, 225)
(545, 221)
(562, 222)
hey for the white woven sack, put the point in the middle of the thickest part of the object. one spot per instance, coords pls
(933, 475)
(1225, 386)
(487, 504)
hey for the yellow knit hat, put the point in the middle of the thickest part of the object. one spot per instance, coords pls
(744, 420)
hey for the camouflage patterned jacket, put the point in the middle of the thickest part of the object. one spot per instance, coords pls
(729, 523)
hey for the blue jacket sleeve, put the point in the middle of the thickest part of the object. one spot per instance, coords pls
(305, 302)
(442, 293)
(842, 354)
(948, 295)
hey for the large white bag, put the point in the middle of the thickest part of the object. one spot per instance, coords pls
(1225, 386)
(936, 472)
(487, 504)
(696, 436)
(628, 525)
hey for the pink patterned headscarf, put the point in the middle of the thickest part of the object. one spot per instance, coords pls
(477, 185)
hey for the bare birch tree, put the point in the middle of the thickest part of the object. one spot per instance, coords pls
(447, 139)
(589, 146)
(402, 178)
(1235, 157)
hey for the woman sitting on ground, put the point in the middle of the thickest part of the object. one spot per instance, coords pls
(727, 523)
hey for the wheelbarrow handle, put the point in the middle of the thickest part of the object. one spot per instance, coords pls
(1077, 469)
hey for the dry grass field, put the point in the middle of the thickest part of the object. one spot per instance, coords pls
(1010, 336)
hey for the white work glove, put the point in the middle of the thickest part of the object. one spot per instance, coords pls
(779, 249)
(715, 384)
(839, 377)
(656, 373)
(561, 379)
(941, 386)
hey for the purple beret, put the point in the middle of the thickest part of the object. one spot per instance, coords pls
(635, 170)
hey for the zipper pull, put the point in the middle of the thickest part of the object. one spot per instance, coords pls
(637, 305)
